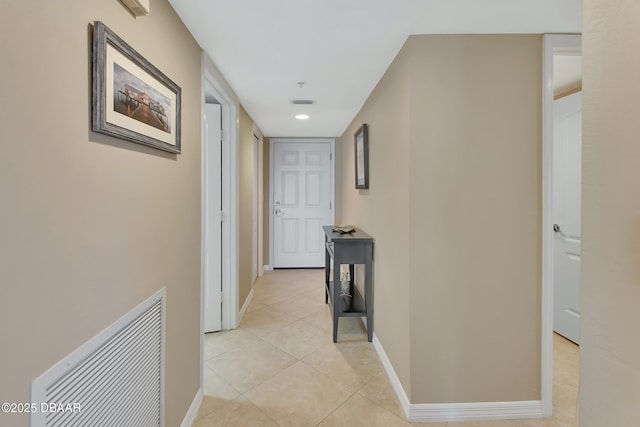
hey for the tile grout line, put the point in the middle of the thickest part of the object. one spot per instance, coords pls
(337, 407)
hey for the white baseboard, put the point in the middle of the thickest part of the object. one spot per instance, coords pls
(192, 413)
(245, 306)
(267, 267)
(443, 412)
(393, 378)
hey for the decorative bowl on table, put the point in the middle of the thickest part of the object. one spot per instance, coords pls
(343, 228)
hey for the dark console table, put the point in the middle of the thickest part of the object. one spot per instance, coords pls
(349, 248)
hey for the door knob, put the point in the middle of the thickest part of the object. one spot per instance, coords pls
(556, 228)
(279, 212)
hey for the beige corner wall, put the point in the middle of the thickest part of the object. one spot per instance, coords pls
(610, 275)
(90, 226)
(246, 182)
(475, 217)
(454, 206)
(383, 210)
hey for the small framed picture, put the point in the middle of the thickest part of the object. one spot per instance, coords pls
(362, 157)
(132, 99)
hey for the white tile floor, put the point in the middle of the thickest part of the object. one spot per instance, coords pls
(281, 368)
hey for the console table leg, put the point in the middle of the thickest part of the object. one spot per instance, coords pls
(336, 292)
(327, 268)
(368, 290)
(352, 278)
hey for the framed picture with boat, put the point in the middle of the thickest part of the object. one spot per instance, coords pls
(132, 99)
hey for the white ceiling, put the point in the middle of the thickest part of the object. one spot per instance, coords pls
(339, 48)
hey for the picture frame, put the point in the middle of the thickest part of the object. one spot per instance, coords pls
(361, 143)
(132, 99)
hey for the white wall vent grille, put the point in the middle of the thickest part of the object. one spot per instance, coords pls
(115, 379)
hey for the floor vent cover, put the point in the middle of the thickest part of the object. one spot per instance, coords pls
(115, 379)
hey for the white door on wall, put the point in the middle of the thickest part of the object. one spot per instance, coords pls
(302, 202)
(212, 223)
(567, 178)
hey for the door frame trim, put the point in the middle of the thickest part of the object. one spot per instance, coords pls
(229, 102)
(209, 219)
(552, 44)
(332, 185)
(230, 132)
(259, 170)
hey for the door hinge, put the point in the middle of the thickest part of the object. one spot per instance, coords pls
(221, 135)
(330, 156)
(221, 216)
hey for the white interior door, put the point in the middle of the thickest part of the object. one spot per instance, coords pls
(567, 176)
(212, 219)
(302, 202)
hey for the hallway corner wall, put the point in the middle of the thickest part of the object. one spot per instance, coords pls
(454, 206)
(383, 210)
(476, 179)
(610, 273)
(246, 182)
(93, 225)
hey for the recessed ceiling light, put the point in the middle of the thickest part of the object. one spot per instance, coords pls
(302, 116)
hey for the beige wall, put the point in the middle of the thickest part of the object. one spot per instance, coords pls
(383, 210)
(90, 226)
(610, 276)
(454, 206)
(475, 217)
(246, 182)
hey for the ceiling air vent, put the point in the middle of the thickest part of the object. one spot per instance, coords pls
(303, 102)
